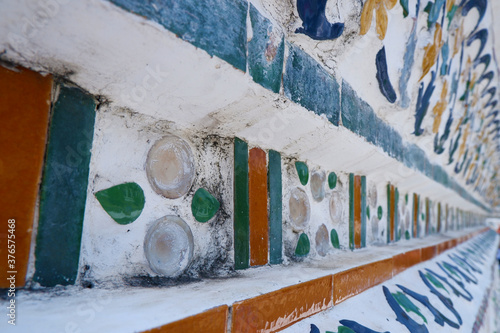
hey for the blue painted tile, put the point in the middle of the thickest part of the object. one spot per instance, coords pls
(310, 85)
(265, 52)
(216, 26)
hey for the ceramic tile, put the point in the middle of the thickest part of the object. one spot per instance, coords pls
(241, 208)
(22, 143)
(257, 187)
(275, 208)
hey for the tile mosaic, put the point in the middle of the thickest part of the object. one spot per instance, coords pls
(275, 208)
(124, 202)
(303, 246)
(257, 187)
(276, 310)
(171, 167)
(210, 321)
(22, 143)
(265, 52)
(241, 206)
(64, 187)
(307, 83)
(356, 280)
(203, 26)
(168, 246)
(204, 205)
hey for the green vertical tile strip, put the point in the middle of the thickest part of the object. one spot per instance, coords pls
(64, 188)
(397, 234)
(389, 212)
(351, 211)
(427, 219)
(363, 211)
(275, 207)
(241, 208)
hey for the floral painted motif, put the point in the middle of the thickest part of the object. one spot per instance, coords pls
(380, 7)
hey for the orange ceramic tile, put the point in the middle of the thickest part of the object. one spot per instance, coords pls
(441, 247)
(356, 280)
(257, 193)
(428, 252)
(210, 321)
(405, 260)
(276, 310)
(24, 115)
(357, 212)
(392, 212)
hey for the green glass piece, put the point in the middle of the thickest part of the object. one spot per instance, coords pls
(303, 246)
(406, 198)
(204, 205)
(408, 305)
(275, 207)
(436, 282)
(379, 212)
(302, 171)
(423, 217)
(332, 180)
(344, 329)
(124, 202)
(334, 237)
(241, 206)
(407, 235)
(63, 192)
(368, 212)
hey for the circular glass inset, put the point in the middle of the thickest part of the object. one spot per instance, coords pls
(168, 246)
(170, 167)
(318, 185)
(335, 208)
(322, 240)
(299, 208)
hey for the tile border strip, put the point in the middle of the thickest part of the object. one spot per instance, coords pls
(339, 288)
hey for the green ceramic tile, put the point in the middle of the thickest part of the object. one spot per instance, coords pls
(380, 212)
(265, 52)
(407, 235)
(303, 172)
(64, 188)
(351, 211)
(124, 202)
(275, 207)
(363, 211)
(389, 212)
(332, 180)
(241, 206)
(396, 215)
(334, 237)
(303, 246)
(368, 212)
(204, 205)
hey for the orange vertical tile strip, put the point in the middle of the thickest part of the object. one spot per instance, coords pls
(210, 321)
(257, 188)
(392, 212)
(282, 308)
(357, 212)
(24, 115)
(356, 280)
